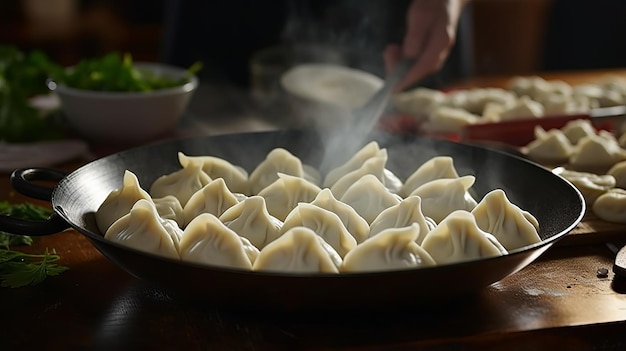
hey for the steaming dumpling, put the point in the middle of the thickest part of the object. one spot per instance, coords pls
(324, 223)
(524, 107)
(513, 227)
(299, 250)
(369, 197)
(213, 198)
(437, 167)
(356, 225)
(142, 229)
(550, 147)
(367, 152)
(235, 177)
(406, 213)
(391, 249)
(206, 240)
(119, 201)
(440, 197)
(577, 129)
(169, 207)
(277, 161)
(181, 184)
(251, 220)
(590, 185)
(458, 238)
(596, 152)
(445, 119)
(286, 192)
(611, 206)
(618, 171)
(373, 166)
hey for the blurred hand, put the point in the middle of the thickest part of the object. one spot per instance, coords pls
(430, 34)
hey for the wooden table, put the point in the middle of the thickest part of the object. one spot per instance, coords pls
(558, 302)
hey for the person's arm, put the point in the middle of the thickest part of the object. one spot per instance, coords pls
(430, 34)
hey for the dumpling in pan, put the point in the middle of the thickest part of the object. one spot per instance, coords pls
(356, 225)
(590, 185)
(618, 171)
(206, 240)
(181, 184)
(286, 192)
(406, 213)
(251, 220)
(324, 223)
(119, 201)
(235, 177)
(512, 226)
(437, 167)
(371, 150)
(391, 249)
(374, 166)
(369, 197)
(142, 229)
(277, 161)
(595, 153)
(169, 207)
(611, 206)
(213, 198)
(299, 250)
(458, 239)
(441, 197)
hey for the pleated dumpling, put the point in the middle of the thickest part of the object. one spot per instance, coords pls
(512, 226)
(142, 229)
(391, 249)
(577, 129)
(369, 197)
(437, 167)
(286, 192)
(590, 185)
(611, 206)
(278, 160)
(119, 201)
(458, 239)
(324, 223)
(169, 207)
(213, 198)
(596, 153)
(235, 177)
(372, 149)
(374, 166)
(406, 213)
(251, 220)
(182, 183)
(299, 250)
(549, 146)
(356, 225)
(206, 240)
(441, 197)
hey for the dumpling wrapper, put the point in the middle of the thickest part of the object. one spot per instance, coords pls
(324, 223)
(251, 220)
(441, 197)
(208, 241)
(299, 250)
(404, 214)
(235, 177)
(595, 153)
(549, 146)
(458, 239)
(354, 223)
(513, 227)
(284, 194)
(369, 197)
(391, 249)
(374, 166)
(370, 150)
(437, 167)
(611, 206)
(277, 161)
(169, 207)
(590, 185)
(142, 229)
(182, 183)
(119, 201)
(213, 198)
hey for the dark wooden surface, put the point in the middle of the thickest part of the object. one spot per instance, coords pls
(557, 303)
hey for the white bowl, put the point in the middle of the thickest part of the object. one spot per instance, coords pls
(127, 117)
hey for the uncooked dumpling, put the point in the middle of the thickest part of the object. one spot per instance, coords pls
(596, 152)
(213, 198)
(549, 147)
(577, 129)
(611, 206)
(590, 185)
(119, 201)
(391, 249)
(286, 192)
(369, 197)
(355, 224)
(182, 183)
(441, 197)
(406, 213)
(142, 229)
(618, 171)
(235, 177)
(251, 220)
(299, 250)
(458, 239)
(435, 168)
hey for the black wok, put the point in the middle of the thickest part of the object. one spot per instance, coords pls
(556, 204)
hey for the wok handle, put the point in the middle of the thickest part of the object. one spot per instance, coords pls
(23, 181)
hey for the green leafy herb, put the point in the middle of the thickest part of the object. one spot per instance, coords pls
(19, 269)
(21, 211)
